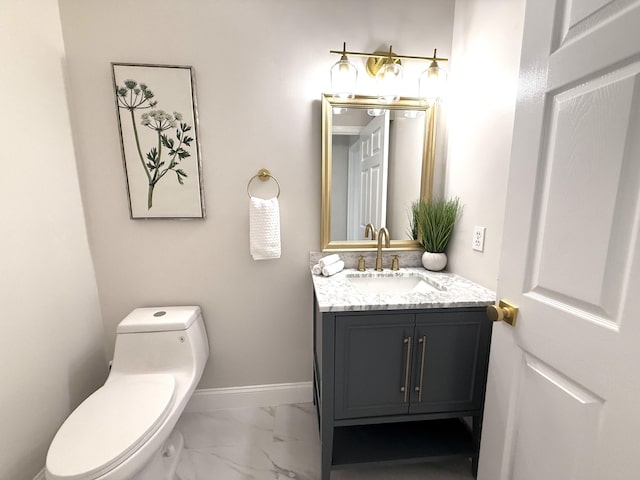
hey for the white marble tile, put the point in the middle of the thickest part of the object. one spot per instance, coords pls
(296, 423)
(278, 443)
(229, 427)
(229, 463)
(299, 460)
(411, 258)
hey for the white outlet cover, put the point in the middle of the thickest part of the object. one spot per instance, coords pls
(478, 239)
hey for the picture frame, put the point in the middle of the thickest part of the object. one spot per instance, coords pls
(157, 118)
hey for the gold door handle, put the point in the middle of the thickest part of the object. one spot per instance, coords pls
(503, 312)
(423, 343)
(403, 388)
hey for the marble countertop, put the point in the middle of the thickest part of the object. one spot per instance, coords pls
(337, 294)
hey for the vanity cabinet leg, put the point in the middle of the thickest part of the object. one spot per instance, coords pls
(477, 426)
(326, 447)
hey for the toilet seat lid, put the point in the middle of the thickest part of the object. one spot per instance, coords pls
(109, 425)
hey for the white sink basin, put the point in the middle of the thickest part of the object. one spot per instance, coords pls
(391, 284)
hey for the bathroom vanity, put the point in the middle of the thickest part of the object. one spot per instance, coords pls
(400, 359)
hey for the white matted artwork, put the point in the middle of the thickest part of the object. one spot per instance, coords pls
(158, 123)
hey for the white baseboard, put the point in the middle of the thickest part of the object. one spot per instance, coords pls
(208, 399)
(40, 475)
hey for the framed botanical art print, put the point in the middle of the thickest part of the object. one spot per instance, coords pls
(158, 123)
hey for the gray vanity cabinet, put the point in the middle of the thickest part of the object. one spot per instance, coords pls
(393, 386)
(391, 364)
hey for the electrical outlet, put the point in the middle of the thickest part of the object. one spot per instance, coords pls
(478, 238)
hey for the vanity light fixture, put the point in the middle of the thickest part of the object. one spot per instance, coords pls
(389, 79)
(375, 112)
(433, 82)
(387, 68)
(344, 76)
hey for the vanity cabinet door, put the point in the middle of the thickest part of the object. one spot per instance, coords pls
(450, 359)
(373, 364)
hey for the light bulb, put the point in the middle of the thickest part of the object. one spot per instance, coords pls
(433, 82)
(375, 112)
(389, 80)
(344, 76)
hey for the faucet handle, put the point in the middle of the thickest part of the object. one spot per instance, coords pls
(361, 266)
(394, 263)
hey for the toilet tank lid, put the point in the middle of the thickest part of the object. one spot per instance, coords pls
(159, 319)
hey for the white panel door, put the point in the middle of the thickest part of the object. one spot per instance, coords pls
(563, 393)
(368, 167)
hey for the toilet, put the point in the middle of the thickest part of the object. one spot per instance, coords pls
(125, 430)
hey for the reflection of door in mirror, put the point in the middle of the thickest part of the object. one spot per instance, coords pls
(376, 171)
(368, 163)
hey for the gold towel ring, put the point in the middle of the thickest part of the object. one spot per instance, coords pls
(263, 175)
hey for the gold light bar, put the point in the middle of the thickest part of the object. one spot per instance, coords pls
(395, 55)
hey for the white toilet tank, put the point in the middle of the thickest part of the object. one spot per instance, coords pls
(159, 338)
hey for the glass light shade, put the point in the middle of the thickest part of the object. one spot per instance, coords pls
(433, 82)
(375, 112)
(389, 79)
(344, 77)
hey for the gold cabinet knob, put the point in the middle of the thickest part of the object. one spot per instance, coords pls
(502, 312)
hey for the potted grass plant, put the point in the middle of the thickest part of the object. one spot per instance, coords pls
(434, 221)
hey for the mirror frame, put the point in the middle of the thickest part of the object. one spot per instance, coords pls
(428, 162)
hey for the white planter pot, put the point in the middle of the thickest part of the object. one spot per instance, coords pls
(434, 261)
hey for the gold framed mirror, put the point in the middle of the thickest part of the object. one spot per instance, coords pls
(376, 160)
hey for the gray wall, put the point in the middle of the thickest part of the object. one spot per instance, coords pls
(339, 185)
(260, 69)
(483, 83)
(405, 148)
(51, 347)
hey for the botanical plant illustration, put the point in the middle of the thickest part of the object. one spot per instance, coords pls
(133, 96)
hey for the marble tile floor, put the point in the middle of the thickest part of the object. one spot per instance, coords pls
(277, 443)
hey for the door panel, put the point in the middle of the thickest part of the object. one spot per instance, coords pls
(589, 124)
(371, 363)
(450, 353)
(557, 428)
(452, 373)
(564, 385)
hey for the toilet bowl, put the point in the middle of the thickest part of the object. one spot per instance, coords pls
(123, 431)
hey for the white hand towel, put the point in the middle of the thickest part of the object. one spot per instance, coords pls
(316, 269)
(264, 228)
(333, 268)
(328, 260)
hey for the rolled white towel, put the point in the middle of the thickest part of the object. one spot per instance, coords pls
(316, 269)
(328, 260)
(333, 268)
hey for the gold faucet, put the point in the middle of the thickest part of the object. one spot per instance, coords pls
(370, 229)
(383, 232)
